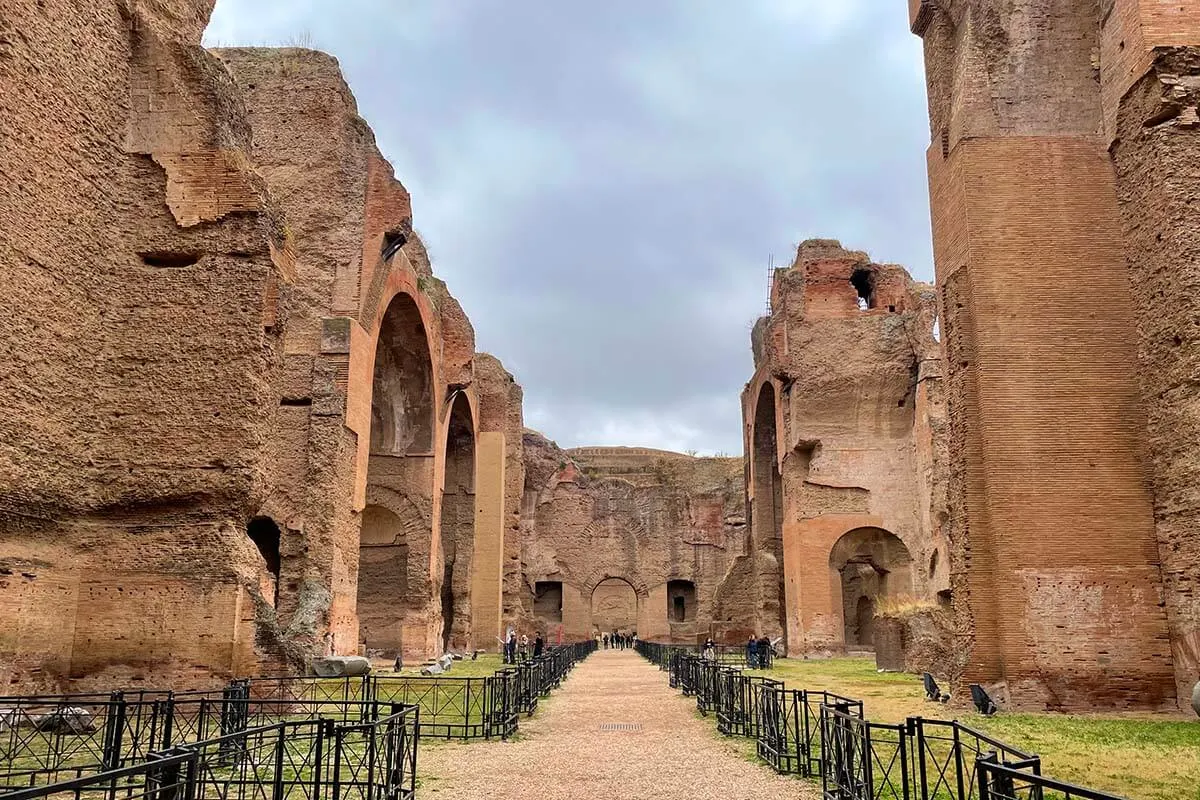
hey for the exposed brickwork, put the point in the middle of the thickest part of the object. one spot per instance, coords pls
(1058, 554)
(844, 435)
(644, 517)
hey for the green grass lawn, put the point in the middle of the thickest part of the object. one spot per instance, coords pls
(1142, 756)
(482, 667)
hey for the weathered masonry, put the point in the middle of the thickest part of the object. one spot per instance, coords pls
(1062, 169)
(245, 424)
(844, 428)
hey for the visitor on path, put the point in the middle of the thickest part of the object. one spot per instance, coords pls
(764, 652)
(399, 663)
(539, 644)
(710, 650)
(606, 641)
(510, 647)
(524, 646)
(752, 652)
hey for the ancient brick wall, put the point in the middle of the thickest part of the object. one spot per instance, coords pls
(1055, 560)
(233, 411)
(659, 533)
(137, 379)
(845, 442)
(1151, 64)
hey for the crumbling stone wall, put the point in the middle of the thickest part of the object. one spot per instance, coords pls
(1151, 74)
(1057, 563)
(654, 520)
(258, 379)
(844, 436)
(138, 251)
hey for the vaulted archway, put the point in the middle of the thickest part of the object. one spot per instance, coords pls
(394, 588)
(614, 606)
(766, 510)
(868, 565)
(458, 526)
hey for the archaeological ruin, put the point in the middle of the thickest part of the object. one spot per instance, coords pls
(1060, 173)
(246, 424)
(845, 449)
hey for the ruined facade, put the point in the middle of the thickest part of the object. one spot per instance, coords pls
(844, 426)
(1063, 159)
(244, 423)
(632, 539)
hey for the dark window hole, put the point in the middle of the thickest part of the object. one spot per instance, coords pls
(169, 260)
(392, 242)
(296, 402)
(863, 281)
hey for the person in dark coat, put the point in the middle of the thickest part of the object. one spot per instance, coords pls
(752, 652)
(764, 652)
(539, 644)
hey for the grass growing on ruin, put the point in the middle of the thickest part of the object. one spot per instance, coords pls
(1141, 756)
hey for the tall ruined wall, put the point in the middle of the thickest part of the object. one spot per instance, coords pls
(669, 527)
(845, 443)
(246, 412)
(1151, 73)
(1057, 578)
(136, 247)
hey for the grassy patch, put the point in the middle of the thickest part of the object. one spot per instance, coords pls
(1142, 756)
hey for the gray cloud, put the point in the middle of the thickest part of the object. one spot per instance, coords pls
(602, 184)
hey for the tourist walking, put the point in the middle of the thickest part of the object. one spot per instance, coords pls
(710, 649)
(606, 641)
(539, 644)
(752, 652)
(764, 652)
(510, 647)
(524, 646)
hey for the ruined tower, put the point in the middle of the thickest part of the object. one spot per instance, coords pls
(1059, 133)
(843, 423)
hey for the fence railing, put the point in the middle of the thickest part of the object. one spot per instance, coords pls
(51, 739)
(826, 737)
(318, 759)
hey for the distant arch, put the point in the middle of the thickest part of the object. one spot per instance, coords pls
(402, 409)
(458, 525)
(615, 603)
(868, 565)
(766, 511)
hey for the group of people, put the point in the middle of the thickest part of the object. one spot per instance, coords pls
(616, 640)
(758, 652)
(517, 649)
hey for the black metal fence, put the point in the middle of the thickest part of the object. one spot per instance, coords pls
(313, 759)
(824, 736)
(51, 739)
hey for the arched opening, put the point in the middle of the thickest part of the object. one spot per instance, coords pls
(265, 534)
(614, 606)
(681, 601)
(766, 512)
(402, 393)
(868, 565)
(394, 583)
(458, 527)
(382, 579)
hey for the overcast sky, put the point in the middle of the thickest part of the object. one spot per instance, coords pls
(602, 184)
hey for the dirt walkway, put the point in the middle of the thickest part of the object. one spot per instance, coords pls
(564, 753)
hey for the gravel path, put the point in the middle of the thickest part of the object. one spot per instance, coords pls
(563, 754)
